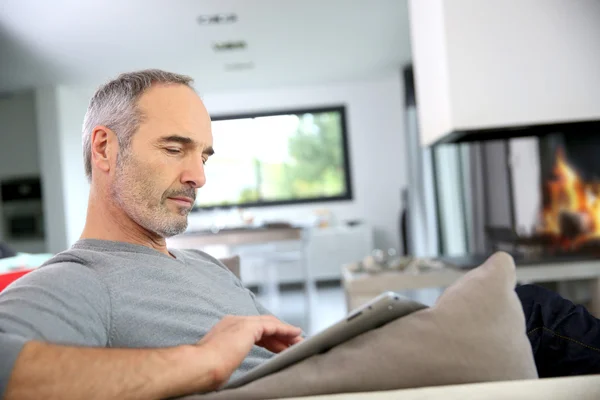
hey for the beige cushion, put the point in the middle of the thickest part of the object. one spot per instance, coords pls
(233, 264)
(474, 333)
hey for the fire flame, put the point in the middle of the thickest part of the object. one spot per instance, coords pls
(568, 193)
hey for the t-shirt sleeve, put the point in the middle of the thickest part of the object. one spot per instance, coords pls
(63, 303)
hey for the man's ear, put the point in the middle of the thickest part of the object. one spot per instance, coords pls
(104, 148)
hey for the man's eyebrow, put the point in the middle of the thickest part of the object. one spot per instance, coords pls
(177, 139)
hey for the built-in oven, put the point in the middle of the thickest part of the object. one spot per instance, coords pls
(22, 209)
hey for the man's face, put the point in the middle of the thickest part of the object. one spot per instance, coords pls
(156, 179)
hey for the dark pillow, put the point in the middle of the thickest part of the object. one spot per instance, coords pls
(6, 251)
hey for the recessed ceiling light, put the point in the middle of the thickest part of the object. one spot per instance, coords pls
(239, 66)
(217, 19)
(231, 45)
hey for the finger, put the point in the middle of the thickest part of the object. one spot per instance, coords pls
(289, 340)
(274, 345)
(280, 329)
(296, 340)
(286, 341)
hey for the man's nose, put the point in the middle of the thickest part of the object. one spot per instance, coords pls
(194, 173)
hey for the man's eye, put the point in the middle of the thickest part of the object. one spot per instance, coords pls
(173, 150)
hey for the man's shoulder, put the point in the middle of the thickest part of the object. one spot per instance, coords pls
(66, 262)
(100, 261)
(229, 264)
(67, 257)
(63, 272)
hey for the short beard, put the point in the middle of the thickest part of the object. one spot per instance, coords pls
(135, 193)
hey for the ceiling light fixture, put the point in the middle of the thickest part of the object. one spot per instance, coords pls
(232, 45)
(239, 66)
(217, 19)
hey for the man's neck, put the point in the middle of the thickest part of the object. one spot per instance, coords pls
(106, 221)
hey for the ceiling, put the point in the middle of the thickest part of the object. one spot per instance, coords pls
(289, 42)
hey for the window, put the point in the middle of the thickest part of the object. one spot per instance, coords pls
(278, 158)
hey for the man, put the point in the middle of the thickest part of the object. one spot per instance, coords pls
(146, 139)
(121, 316)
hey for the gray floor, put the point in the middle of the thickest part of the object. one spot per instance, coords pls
(330, 307)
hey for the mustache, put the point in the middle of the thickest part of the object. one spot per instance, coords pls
(191, 193)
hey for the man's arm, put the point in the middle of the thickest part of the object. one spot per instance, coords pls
(45, 371)
(63, 303)
(69, 306)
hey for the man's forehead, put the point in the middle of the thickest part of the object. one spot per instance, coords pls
(178, 109)
(165, 100)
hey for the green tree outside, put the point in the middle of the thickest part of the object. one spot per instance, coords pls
(316, 168)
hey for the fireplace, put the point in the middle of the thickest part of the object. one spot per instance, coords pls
(562, 221)
(532, 190)
(567, 224)
(569, 220)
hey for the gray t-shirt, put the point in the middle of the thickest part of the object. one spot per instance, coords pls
(112, 294)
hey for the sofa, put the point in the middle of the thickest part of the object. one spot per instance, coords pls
(575, 388)
(578, 387)
(497, 362)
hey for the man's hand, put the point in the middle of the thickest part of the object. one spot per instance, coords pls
(49, 371)
(232, 338)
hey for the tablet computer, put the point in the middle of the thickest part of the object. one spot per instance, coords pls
(383, 309)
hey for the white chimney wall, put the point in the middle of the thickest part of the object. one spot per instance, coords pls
(492, 64)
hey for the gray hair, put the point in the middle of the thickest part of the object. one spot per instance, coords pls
(114, 105)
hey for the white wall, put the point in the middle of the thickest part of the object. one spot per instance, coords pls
(508, 62)
(376, 141)
(49, 139)
(521, 62)
(60, 112)
(375, 118)
(428, 43)
(72, 103)
(19, 150)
